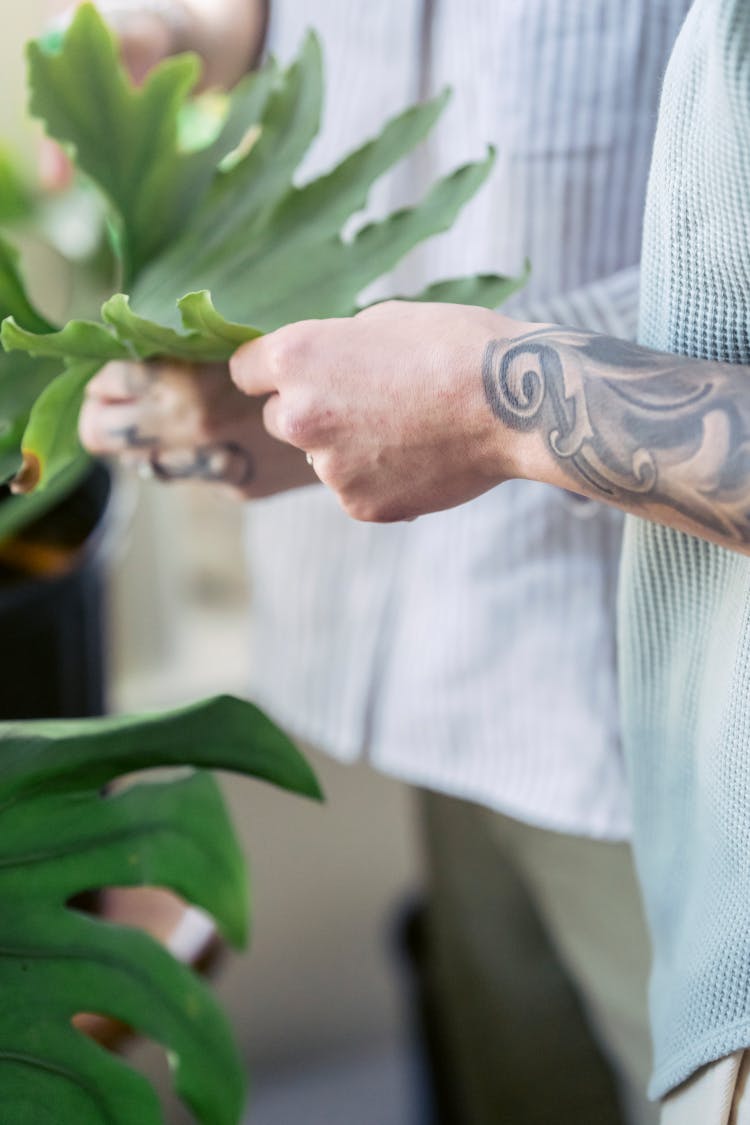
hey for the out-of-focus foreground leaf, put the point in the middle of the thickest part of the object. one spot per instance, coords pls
(16, 197)
(61, 836)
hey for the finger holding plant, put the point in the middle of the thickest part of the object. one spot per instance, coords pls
(389, 405)
(178, 422)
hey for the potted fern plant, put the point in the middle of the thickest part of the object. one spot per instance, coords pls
(190, 221)
(51, 545)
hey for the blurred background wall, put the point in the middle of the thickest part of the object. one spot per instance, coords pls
(319, 993)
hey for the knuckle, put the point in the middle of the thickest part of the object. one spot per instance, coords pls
(294, 425)
(107, 381)
(369, 509)
(101, 381)
(359, 508)
(382, 308)
(201, 424)
(286, 348)
(334, 470)
(293, 419)
(178, 412)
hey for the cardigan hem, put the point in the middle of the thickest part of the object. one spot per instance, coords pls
(678, 1068)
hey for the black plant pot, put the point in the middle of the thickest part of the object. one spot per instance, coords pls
(52, 642)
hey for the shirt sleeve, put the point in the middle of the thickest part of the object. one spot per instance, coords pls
(608, 305)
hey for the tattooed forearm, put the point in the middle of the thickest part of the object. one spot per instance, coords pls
(657, 434)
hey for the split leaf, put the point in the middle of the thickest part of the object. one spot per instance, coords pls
(62, 837)
(127, 139)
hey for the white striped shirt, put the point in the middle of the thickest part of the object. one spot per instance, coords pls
(473, 650)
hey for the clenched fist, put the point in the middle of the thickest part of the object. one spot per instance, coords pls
(389, 404)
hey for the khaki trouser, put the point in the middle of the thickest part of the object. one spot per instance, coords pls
(537, 963)
(718, 1094)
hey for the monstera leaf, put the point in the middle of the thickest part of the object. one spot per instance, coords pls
(216, 244)
(60, 836)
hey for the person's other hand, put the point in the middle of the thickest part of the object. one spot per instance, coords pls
(176, 422)
(226, 34)
(390, 404)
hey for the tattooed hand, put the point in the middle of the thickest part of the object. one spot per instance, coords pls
(190, 424)
(389, 404)
(408, 408)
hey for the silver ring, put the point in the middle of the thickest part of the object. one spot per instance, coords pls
(309, 459)
(224, 463)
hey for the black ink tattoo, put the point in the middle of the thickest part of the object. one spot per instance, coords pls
(133, 438)
(645, 430)
(224, 463)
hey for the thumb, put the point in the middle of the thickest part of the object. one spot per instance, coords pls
(252, 367)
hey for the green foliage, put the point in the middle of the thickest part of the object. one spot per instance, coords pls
(127, 139)
(215, 243)
(207, 336)
(52, 428)
(61, 836)
(22, 378)
(16, 198)
(218, 244)
(485, 289)
(13, 299)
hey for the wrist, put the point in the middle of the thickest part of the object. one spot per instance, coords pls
(509, 451)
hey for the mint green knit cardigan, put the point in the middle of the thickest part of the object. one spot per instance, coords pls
(685, 604)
